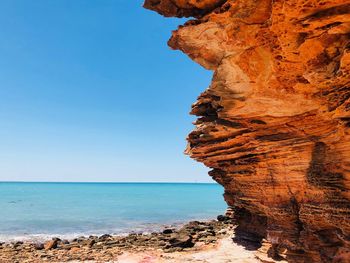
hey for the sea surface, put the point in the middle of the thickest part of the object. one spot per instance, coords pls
(39, 211)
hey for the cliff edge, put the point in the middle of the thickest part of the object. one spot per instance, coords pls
(274, 124)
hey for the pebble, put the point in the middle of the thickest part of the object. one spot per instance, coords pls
(108, 247)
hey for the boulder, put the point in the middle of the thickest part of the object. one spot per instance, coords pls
(167, 231)
(182, 240)
(39, 246)
(51, 244)
(222, 218)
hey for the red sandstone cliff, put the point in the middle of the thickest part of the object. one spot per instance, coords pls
(274, 125)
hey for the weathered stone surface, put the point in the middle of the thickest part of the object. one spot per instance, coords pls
(182, 240)
(274, 123)
(51, 244)
(180, 8)
(168, 231)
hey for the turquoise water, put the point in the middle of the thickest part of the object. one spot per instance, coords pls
(42, 210)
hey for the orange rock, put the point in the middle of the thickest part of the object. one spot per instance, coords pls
(274, 123)
(51, 244)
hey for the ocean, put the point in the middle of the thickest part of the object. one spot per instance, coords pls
(40, 211)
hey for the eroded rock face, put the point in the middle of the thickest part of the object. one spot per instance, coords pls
(274, 123)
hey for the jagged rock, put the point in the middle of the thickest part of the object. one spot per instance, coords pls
(104, 237)
(230, 213)
(17, 244)
(52, 244)
(222, 218)
(91, 242)
(182, 240)
(167, 231)
(274, 123)
(64, 241)
(39, 246)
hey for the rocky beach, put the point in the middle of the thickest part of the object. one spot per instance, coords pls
(209, 241)
(273, 124)
(91, 127)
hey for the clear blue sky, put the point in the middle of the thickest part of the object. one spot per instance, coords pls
(91, 92)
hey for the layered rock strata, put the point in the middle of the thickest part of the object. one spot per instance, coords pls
(274, 123)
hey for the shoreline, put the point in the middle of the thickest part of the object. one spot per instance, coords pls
(145, 228)
(195, 239)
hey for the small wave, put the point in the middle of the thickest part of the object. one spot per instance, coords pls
(38, 237)
(42, 237)
(136, 227)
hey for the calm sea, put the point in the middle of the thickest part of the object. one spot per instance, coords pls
(42, 210)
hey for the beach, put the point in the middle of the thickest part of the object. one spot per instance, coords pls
(115, 222)
(121, 222)
(209, 241)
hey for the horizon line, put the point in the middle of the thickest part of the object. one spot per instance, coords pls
(107, 182)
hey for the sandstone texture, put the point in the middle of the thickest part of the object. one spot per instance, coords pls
(274, 124)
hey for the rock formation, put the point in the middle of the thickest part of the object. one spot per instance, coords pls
(274, 125)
